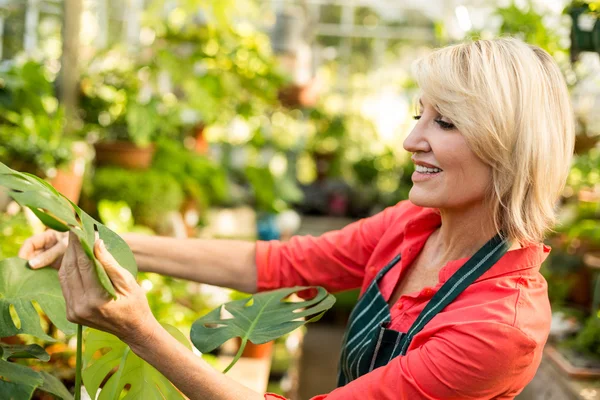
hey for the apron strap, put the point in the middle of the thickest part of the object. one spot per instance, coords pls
(474, 268)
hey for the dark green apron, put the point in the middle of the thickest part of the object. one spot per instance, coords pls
(369, 344)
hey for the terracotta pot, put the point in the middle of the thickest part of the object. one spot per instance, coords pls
(124, 154)
(69, 179)
(252, 350)
(306, 95)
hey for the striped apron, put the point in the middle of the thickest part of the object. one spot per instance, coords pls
(369, 344)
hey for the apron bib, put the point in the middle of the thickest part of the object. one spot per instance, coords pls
(369, 344)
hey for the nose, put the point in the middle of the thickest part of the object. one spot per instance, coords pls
(416, 140)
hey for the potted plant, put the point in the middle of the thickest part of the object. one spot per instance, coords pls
(32, 128)
(125, 113)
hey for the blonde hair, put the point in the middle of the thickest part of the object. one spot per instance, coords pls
(511, 103)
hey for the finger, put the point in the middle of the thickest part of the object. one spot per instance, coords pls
(120, 277)
(49, 256)
(36, 243)
(69, 265)
(85, 265)
(64, 285)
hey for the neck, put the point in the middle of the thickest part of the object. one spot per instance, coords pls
(463, 231)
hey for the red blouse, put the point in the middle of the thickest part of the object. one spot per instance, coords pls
(486, 344)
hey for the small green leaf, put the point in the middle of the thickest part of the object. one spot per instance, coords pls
(50, 221)
(23, 351)
(264, 317)
(19, 286)
(54, 386)
(145, 381)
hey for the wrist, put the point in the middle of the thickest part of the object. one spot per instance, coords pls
(144, 337)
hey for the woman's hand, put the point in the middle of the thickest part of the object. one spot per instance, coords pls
(45, 249)
(128, 317)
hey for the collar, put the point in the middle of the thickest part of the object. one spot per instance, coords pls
(426, 220)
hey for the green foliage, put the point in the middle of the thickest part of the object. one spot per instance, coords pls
(23, 351)
(143, 380)
(58, 213)
(20, 287)
(150, 194)
(271, 194)
(259, 319)
(31, 121)
(587, 340)
(220, 69)
(201, 179)
(14, 230)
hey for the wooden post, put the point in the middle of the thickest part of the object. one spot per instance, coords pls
(69, 76)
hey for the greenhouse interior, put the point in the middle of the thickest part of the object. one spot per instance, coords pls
(256, 164)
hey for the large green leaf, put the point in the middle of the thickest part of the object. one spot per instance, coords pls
(15, 391)
(145, 381)
(19, 286)
(23, 351)
(259, 319)
(23, 380)
(59, 213)
(19, 374)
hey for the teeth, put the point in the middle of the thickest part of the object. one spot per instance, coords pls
(425, 170)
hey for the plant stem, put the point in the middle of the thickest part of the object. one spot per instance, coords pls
(78, 363)
(237, 356)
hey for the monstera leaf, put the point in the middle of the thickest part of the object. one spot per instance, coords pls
(260, 318)
(23, 381)
(144, 381)
(59, 213)
(19, 287)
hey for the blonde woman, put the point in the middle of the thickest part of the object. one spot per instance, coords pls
(452, 305)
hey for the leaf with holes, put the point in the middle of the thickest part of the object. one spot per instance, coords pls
(144, 381)
(259, 319)
(19, 287)
(19, 382)
(59, 213)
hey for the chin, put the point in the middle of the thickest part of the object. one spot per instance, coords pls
(419, 198)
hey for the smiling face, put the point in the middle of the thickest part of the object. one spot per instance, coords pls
(448, 174)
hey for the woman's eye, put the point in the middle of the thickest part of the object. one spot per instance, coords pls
(444, 125)
(416, 117)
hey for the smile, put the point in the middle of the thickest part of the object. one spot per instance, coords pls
(425, 170)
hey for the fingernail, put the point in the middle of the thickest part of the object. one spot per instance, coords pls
(33, 263)
(102, 246)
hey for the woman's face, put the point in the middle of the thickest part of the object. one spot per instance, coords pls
(448, 174)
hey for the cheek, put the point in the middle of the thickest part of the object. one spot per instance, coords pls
(468, 176)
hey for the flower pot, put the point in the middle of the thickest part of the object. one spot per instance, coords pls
(573, 364)
(305, 95)
(252, 350)
(69, 179)
(124, 154)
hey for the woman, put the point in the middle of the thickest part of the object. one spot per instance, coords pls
(453, 305)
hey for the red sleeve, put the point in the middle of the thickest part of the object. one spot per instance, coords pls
(335, 260)
(472, 361)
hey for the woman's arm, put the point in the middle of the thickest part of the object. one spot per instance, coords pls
(129, 318)
(226, 263)
(188, 372)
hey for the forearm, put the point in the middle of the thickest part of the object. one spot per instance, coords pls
(189, 373)
(227, 263)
